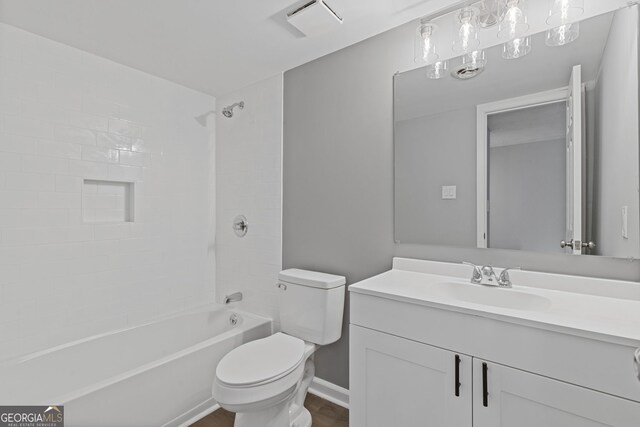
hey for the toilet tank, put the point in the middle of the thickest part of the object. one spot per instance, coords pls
(311, 305)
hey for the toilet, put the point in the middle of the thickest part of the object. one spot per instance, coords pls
(265, 381)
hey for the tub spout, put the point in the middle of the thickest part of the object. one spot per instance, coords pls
(233, 297)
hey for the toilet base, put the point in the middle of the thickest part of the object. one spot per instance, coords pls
(303, 419)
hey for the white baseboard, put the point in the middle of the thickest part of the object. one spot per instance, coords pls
(195, 414)
(329, 391)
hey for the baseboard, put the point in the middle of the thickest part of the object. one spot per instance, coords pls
(194, 414)
(329, 391)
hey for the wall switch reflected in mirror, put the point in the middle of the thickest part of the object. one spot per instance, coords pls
(448, 192)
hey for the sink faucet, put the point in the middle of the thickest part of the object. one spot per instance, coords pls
(485, 275)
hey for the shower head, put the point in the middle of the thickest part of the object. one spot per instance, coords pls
(228, 111)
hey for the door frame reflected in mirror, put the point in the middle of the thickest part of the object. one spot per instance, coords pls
(483, 111)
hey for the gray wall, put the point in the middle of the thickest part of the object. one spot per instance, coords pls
(432, 151)
(338, 179)
(617, 139)
(527, 196)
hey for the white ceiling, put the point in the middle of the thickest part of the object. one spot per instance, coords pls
(214, 46)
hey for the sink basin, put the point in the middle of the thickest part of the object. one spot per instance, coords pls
(489, 295)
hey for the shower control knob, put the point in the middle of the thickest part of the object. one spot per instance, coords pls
(240, 225)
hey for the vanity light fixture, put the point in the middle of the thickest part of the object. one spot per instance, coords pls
(563, 16)
(488, 12)
(425, 44)
(516, 48)
(513, 19)
(466, 37)
(564, 11)
(476, 59)
(437, 70)
(562, 35)
(473, 64)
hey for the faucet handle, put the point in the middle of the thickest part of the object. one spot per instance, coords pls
(504, 279)
(477, 272)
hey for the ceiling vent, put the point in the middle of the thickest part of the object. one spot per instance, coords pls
(314, 18)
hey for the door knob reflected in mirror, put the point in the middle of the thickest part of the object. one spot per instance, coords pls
(577, 244)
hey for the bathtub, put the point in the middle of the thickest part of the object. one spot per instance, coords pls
(156, 374)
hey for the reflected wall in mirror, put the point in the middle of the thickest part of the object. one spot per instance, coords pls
(530, 152)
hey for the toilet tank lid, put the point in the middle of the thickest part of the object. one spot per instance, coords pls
(313, 279)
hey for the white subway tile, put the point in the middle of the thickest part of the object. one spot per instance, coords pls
(89, 170)
(126, 128)
(42, 164)
(9, 162)
(17, 143)
(99, 154)
(58, 149)
(134, 159)
(17, 181)
(64, 133)
(68, 184)
(18, 199)
(56, 200)
(27, 126)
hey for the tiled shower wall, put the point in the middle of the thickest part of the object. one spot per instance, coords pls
(67, 116)
(249, 183)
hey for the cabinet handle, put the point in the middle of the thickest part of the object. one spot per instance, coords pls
(457, 376)
(485, 391)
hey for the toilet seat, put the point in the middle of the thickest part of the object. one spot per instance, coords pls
(261, 361)
(261, 373)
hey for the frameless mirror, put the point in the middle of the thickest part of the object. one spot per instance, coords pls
(538, 153)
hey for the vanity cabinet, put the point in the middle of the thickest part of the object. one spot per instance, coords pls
(517, 398)
(400, 382)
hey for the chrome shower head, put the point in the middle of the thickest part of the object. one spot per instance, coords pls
(228, 111)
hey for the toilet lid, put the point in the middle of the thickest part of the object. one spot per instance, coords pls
(261, 360)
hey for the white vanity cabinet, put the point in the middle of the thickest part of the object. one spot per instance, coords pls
(403, 383)
(400, 382)
(520, 399)
(421, 358)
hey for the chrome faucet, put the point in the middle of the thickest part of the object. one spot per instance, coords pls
(485, 275)
(233, 297)
(504, 280)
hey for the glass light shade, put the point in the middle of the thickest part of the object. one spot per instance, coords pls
(425, 43)
(516, 48)
(466, 31)
(488, 12)
(475, 60)
(564, 11)
(513, 19)
(437, 70)
(563, 34)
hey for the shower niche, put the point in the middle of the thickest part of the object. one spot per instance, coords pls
(107, 201)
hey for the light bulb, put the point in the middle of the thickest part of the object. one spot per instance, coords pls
(516, 48)
(514, 20)
(564, 11)
(475, 60)
(466, 39)
(425, 43)
(562, 35)
(437, 70)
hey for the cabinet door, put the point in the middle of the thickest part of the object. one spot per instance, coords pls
(508, 397)
(399, 382)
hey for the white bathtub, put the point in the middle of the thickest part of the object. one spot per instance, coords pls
(156, 374)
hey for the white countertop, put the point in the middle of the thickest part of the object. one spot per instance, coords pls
(590, 314)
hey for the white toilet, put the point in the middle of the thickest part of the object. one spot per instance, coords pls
(265, 381)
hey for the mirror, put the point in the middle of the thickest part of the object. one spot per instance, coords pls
(538, 153)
